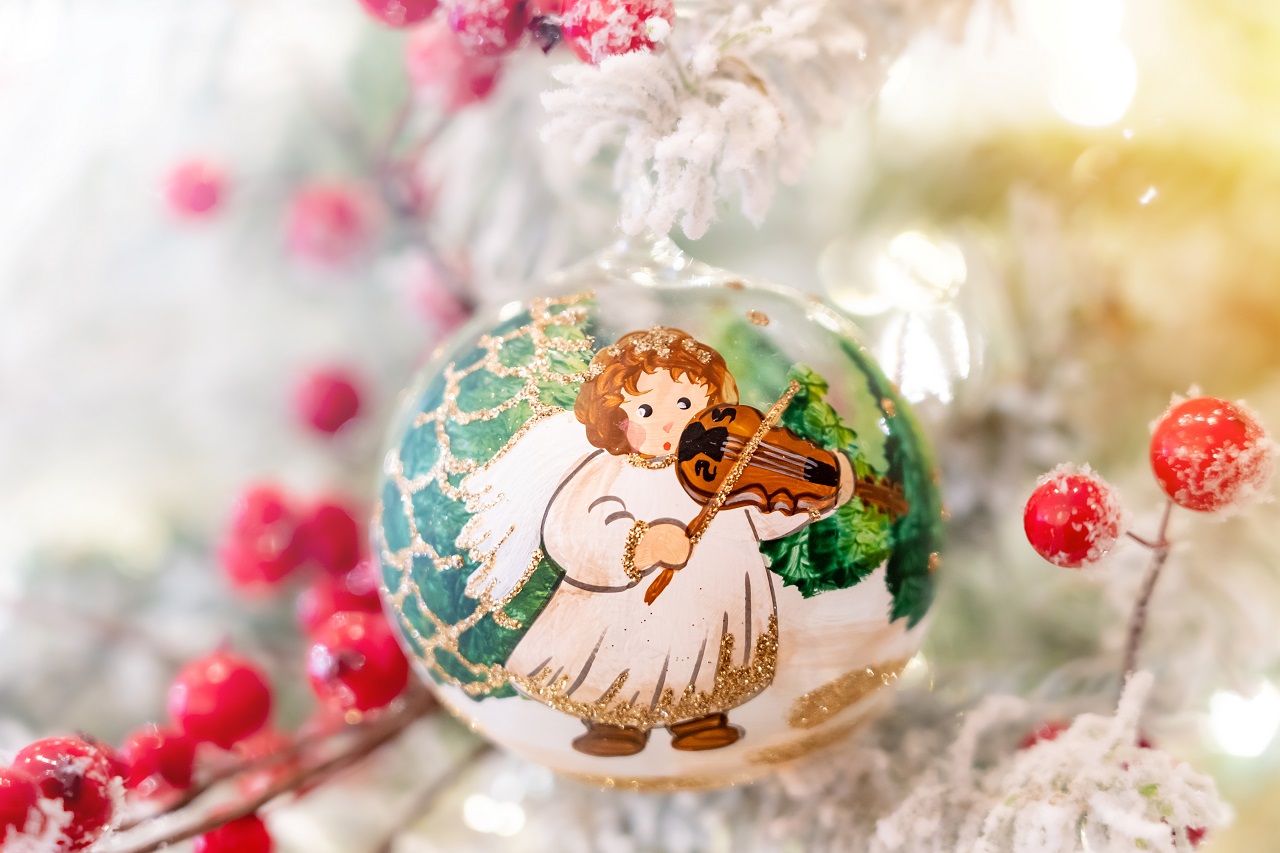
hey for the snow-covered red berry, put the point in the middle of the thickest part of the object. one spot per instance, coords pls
(356, 662)
(355, 591)
(246, 835)
(596, 29)
(488, 27)
(195, 188)
(1073, 517)
(1208, 454)
(158, 760)
(260, 547)
(399, 13)
(443, 72)
(1046, 731)
(78, 775)
(18, 797)
(327, 399)
(220, 698)
(329, 224)
(332, 537)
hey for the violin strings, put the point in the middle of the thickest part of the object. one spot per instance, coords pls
(781, 457)
(770, 449)
(784, 469)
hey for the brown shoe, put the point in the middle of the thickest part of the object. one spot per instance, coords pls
(611, 741)
(710, 732)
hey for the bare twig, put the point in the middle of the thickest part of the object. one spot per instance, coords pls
(293, 749)
(1138, 619)
(380, 732)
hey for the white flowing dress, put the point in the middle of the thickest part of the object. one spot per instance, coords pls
(597, 626)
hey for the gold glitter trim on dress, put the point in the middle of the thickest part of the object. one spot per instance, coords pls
(634, 535)
(819, 705)
(549, 348)
(733, 686)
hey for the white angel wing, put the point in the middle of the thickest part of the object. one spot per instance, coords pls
(508, 499)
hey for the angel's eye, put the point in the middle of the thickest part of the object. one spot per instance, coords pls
(683, 403)
(645, 410)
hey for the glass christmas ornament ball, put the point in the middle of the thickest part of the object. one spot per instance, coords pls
(658, 527)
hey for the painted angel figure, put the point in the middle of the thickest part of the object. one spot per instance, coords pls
(594, 491)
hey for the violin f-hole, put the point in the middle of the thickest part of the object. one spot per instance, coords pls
(705, 470)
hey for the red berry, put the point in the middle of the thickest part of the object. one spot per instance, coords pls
(260, 547)
(18, 796)
(357, 591)
(443, 72)
(1047, 731)
(1072, 518)
(158, 759)
(356, 662)
(1196, 834)
(488, 27)
(246, 835)
(1208, 453)
(332, 537)
(329, 224)
(596, 29)
(399, 13)
(78, 775)
(194, 189)
(327, 399)
(221, 698)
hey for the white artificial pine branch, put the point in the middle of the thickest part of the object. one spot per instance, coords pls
(1091, 788)
(732, 107)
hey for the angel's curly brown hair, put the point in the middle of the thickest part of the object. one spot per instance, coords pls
(616, 370)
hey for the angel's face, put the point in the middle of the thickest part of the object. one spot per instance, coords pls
(660, 410)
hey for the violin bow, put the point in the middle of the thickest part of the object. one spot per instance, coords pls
(703, 519)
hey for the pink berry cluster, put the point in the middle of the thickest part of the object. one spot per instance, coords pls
(1207, 454)
(486, 29)
(355, 662)
(68, 791)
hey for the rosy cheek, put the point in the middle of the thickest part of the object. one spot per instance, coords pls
(635, 433)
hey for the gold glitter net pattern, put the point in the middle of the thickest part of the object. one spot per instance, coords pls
(733, 685)
(537, 372)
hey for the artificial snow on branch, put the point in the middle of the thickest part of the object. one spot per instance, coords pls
(731, 106)
(1094, 786)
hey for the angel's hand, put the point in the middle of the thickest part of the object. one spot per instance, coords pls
(665, 544)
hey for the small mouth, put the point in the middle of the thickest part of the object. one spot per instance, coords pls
(666, 445)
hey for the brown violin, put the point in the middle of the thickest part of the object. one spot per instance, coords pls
(785, 473)
(732, 456)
